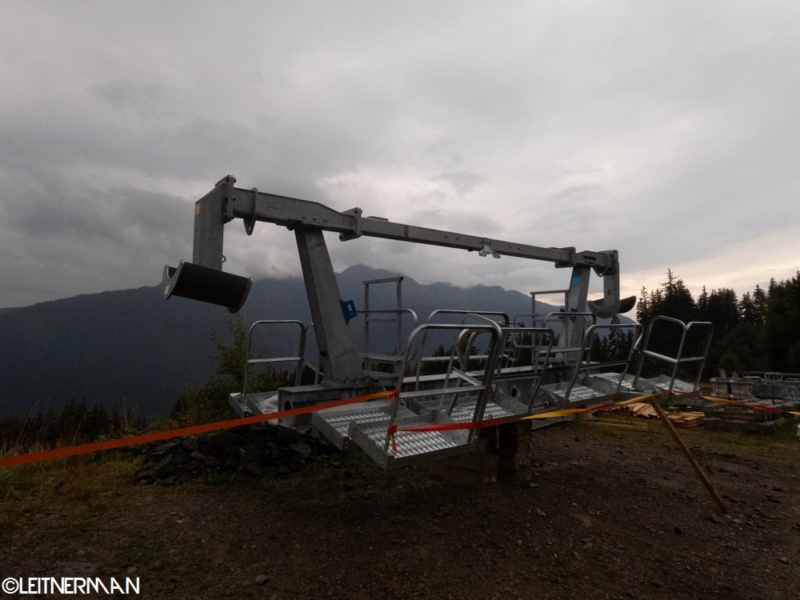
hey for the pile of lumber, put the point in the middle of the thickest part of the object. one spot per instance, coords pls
(645, 410)
(679, 419)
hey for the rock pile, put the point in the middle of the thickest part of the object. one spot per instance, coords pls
(247, 451)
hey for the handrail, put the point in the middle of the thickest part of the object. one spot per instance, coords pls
(542, 293)
(398, 313)
(678, 359)
(562, 344)
(513, 345)
(484, 388)
(586, 351)
(561, 315)
(386, 358)
(299, 358)
(536, 346)
(390, 311)
(466, 313)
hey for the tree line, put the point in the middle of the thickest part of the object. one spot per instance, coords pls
(77, 423)
(757, 331)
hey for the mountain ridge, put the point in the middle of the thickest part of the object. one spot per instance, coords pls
(130, 348)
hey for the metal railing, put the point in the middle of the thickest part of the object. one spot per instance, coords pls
(584, 363)
(455, 383)
(298, 359)
(679, 359)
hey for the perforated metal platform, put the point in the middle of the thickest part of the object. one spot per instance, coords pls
(334, 423)
(411, 446)
(579, 394)
(610, 381)
(662, 382)
(494, 410)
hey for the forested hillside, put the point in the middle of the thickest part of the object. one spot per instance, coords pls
(129, 349)
(757, 331)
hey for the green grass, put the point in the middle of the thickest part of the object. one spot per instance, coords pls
(783, 442)
(26, 488)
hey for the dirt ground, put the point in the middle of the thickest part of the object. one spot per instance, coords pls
(608, 513)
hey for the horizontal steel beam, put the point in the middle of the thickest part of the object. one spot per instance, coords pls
(252, 205)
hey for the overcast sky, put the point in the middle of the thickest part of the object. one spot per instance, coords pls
(666, 130)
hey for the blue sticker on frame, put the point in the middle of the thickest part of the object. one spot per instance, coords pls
(348, 310)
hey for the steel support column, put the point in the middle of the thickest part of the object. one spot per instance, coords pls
(337, 346)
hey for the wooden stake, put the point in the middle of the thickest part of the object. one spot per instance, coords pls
(697, 467)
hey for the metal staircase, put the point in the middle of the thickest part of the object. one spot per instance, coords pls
(595, 381)
(691, 344)
(494, 371)
(443, 399)
(589, 381)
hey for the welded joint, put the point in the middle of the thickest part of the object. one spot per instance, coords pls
(570, 261)
(227, 204)
(250, 220)
(486, 250)
(612, 266)
(356, 231)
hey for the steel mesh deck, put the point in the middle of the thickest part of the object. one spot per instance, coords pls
(334, 423)
(578, 393)
(411, 446)
(613, 379)
(662, 383)
(462, 414)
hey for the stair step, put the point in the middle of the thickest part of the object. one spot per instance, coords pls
(334, 423)
(579, 394)
(612, 379)
(505, 407)
(662, 383)
(412, 447)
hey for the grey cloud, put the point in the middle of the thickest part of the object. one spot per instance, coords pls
(146, 100)
(462, 181)
(459, 220)
(666, 130)
(67, 240)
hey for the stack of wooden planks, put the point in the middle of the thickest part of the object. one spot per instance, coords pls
(679, 419)
(645, 410)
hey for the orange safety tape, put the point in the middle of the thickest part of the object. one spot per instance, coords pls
(11, 461)
(393, 429)
(457, 426)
